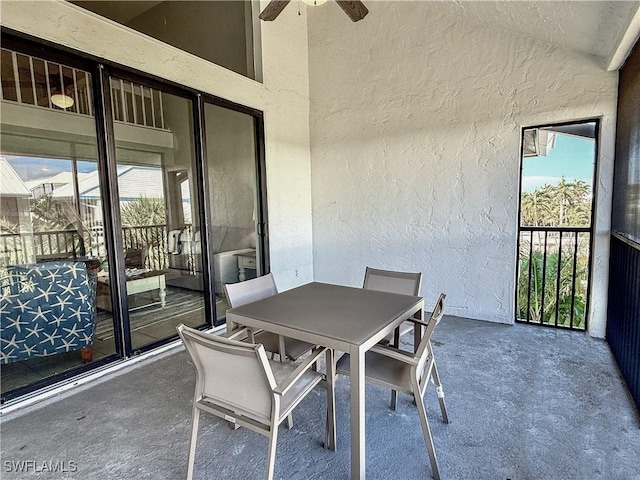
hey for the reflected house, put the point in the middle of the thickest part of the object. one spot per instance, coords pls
(85, 217)
(145, 150)
(14, 194)
(49, 124)
(14, 207)
(134, 182)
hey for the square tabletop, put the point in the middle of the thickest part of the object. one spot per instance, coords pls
(346, 314)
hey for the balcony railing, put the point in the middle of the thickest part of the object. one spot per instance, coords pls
(151, 237)
(32, 81)
(16, 248)
(553, 274)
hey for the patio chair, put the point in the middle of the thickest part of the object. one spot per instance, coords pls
(394, 282)
(258, 288)
(409, 373)
(135, 257)
(237, 382)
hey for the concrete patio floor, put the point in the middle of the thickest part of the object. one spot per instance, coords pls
(524, 402)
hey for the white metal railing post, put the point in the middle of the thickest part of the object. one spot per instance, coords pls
(161, 110)
(144, 110)
(123, 102)
(133, 103)
(33, 81)
(75, 90)
(46, 74)
(16, 76)
(153, 110)
(89, 96)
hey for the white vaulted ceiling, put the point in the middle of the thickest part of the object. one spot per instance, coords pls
(598, 28)
(606, 30)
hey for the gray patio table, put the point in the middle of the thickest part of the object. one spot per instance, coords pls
(342, 318)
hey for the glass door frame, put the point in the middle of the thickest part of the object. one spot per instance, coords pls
(262, 223)
(115, 253)
(27, 45)
(591, 229)
(101, 70)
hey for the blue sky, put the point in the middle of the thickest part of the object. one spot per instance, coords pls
(572, 158)
(31, 168)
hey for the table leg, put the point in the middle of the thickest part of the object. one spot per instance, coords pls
(163, 296)
(330, 438)
(357, 379)
(163, 291)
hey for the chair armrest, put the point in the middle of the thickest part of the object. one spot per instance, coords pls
(238, 332)
(298, 372)
(406, 357)
(417, 321)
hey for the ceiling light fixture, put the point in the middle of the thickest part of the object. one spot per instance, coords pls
(354, 9)
(61, 100)
(61, 89)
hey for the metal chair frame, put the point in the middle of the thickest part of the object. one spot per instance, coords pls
(264, 403)
(409, 373)
(255, 289)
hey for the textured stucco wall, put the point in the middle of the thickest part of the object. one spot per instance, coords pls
(283, 97)
(415, 123)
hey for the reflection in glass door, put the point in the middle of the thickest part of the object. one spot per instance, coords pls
(159, 211)
(51, 222)
(233, 184)
(74, 250)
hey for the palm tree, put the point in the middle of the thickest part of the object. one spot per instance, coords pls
(535, 208)
(58, 219)
(150, 213)
(48, 215)
(557, 295)
(143, 211)
(572, 197)
(564, 204)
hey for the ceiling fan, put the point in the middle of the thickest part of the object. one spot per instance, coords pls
(355, 10)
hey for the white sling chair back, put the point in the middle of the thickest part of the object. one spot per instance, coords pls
(255, 289)
(390, 281)
(409, 373)
(236, 381)
(249, 291)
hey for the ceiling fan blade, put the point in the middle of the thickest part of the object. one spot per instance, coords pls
(355, 10)
(272, 10)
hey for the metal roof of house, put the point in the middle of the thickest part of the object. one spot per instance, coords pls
(10, 183)
(133, 182)
(62, 178)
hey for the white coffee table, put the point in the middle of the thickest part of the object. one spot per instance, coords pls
(145, 282)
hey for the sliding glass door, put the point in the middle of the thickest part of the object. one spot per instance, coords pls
(52, 240)
(159, 212)
(234, 198)
(126, 205)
